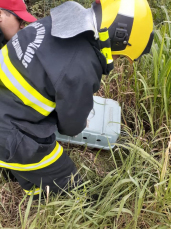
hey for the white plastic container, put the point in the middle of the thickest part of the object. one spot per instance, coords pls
(103, 126)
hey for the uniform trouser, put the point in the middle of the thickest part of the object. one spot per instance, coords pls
(39, 162)
(57, 176)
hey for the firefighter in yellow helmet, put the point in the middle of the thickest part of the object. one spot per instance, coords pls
(48, 74)
(129, 24)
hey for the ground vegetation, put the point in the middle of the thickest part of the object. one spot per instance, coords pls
(129, 186)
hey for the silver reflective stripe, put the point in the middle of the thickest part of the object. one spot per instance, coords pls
(21, 88)
(33, 166)
(1, 57)
(127, 8)
(36, 192)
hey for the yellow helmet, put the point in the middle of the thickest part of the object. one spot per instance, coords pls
(129, 23)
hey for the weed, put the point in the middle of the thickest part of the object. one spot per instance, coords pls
(130, 186)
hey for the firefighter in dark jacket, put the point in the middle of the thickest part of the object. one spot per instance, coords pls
(49, 72)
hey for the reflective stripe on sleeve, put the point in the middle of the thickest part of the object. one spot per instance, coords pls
(107, 53)
(46, 161)
(106, 50)
(37, 191)
(14, 81)
(103, 36)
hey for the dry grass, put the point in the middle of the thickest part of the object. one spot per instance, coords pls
(11, 195)
(126, 188)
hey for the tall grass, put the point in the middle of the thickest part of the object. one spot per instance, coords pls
(130, 186)
(161, 88)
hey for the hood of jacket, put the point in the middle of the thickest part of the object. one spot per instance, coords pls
(71, 19)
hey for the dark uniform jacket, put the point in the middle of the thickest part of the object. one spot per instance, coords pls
(46, 83)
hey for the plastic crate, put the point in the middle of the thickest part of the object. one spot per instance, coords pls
(103, 126)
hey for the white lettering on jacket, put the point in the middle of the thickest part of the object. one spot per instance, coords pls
(17, 47)
(27, 57)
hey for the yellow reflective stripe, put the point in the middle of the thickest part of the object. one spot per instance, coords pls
(37, 191)
(103, 36)
(46, 161)
(30, 96)
(23, 82)
(108, 54)
(26, 101)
